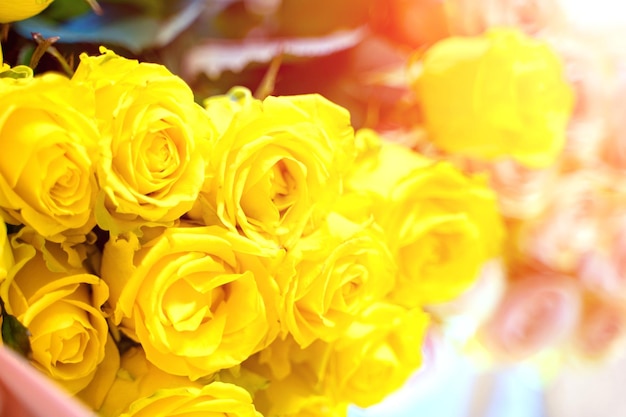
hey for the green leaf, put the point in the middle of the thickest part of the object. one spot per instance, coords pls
(213, 57)
(15, 335)
(135, 25)
(20, 71)
(62, 10)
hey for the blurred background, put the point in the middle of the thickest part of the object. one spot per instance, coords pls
(553, 357)
(461, 389)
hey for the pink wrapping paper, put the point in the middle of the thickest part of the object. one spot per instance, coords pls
(26, 393)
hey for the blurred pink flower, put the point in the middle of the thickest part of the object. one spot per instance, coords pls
(472, 17)
(411, 23)
(602, 269)
(569, 226)
(601, 331)
(538, 311)
(598, 272)
(582, 233)
(587, 68)
(614, 146)
(522, 192)
(262, 7)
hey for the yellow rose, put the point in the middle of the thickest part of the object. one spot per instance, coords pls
(495, 95)
(441, 225)
(295, 396)
(278, 166)
(48, 141)
(62, 311)
(13, 10)
(223, 108)
(6, 253)
(294, 376)
(216, 399)
(339, 270)
(136, 378)
(6, 260)
(199, 299)
(140, 388)
(154, 137)
(66, 256)
(95, 393)
(376, 356)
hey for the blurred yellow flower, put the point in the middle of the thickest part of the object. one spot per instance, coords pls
(14, 10)
(376, 356)
(441, 225)
(294, 377)
(296, 396)
(338, 271)
(494, 95)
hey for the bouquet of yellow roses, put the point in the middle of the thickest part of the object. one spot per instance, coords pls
(245, 256)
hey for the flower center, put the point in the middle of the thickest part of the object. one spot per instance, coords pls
(283, 185)
(160, 155)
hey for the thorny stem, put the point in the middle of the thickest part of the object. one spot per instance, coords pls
(4, 31)
(45, 45)
(95, 7)
(266, 87)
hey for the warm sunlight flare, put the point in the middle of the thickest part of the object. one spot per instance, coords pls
(596, 14)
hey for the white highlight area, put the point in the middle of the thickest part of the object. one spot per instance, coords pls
(598, 14)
